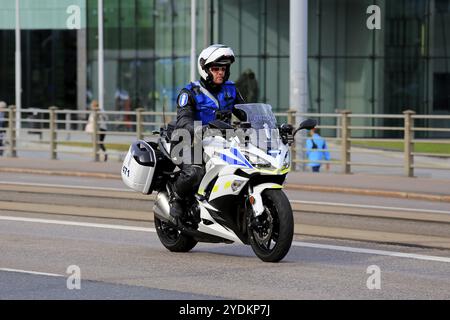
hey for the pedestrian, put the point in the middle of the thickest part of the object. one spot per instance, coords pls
(101, 125)
(248, 86)
(316, 150)
(35, 124)
(2, 125)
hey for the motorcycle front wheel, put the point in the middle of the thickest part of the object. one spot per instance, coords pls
(271, 236)
(172, 239)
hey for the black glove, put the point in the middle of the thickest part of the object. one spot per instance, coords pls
(224, 115)
(286, 133)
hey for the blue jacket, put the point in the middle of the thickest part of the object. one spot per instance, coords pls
(196, 103)
(316, 154)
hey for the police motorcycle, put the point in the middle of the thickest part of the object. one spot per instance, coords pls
(240, 198)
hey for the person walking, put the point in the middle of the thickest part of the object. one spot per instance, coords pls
(248, 86)
(101, 125)
(316, 151)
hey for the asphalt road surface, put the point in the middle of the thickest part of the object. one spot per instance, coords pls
(123, 259)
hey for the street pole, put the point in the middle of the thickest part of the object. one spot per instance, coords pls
(18, 71)
(298, 59)
(206, 24)
(193, 39)
(100, 57)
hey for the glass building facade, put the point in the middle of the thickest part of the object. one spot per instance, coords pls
(404, 65)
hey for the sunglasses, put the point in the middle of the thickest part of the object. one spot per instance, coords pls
(217, 69)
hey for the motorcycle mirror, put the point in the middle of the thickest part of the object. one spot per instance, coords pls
(307, 124)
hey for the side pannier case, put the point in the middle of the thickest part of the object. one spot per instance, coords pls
(139, 167)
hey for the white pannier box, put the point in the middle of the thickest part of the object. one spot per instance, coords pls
(139, 167)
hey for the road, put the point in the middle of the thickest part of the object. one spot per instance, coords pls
(123, 258)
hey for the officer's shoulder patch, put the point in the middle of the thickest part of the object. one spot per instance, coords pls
(183, 99)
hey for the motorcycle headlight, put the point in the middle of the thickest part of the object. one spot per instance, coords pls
(257, 162)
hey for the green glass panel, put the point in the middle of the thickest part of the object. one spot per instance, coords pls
(42, 14)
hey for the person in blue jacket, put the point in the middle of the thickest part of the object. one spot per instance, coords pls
(317, 150)
(213, 97)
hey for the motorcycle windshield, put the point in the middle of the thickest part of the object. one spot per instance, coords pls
(260, 115)
(265, 134)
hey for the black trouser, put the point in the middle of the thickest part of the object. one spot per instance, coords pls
(101, 138)
(189, 180)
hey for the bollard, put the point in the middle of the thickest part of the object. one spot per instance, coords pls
(68, 125)
(12, 132)
(165, 102)
(409, 145)
(53, 132)
(346, 144)
(139, 124)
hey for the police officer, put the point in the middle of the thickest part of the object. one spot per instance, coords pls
(205, 100)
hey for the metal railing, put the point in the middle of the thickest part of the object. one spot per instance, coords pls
(63, 131)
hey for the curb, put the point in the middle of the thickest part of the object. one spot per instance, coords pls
(371, 192)
(316, 188)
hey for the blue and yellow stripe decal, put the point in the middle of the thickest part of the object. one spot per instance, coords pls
(238, 161)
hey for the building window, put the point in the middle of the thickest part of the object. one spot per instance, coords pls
(441, 94)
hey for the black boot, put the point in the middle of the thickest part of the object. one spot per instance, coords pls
(176, 210)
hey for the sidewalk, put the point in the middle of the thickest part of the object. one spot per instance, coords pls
(363, 184)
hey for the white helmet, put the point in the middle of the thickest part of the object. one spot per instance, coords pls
(217, 54)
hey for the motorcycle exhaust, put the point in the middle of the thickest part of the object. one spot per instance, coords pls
(161, 208)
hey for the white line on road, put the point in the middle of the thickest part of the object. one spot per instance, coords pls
(294, 243)
(338, 204)
(371, 251)
(32, 272)
(78, 224)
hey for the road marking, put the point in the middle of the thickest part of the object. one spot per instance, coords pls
(32, 272)
(78, 224)
(294, 243)
(371, 251)
(337, 204)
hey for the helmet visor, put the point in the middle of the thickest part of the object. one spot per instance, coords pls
(223, 61)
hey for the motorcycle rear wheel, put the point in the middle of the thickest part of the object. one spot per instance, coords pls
(272, 239)
(172, 239)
